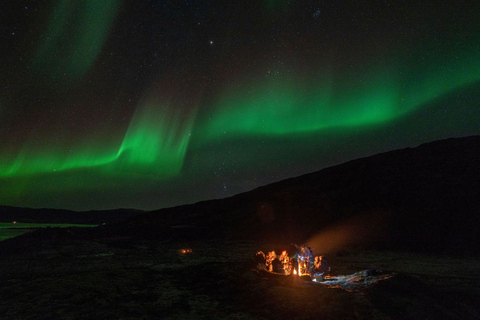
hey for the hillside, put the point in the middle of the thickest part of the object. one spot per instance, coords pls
(423, 198)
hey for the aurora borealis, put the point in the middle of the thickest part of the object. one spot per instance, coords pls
(148, 104)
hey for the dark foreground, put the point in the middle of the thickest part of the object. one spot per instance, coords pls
(59, 276)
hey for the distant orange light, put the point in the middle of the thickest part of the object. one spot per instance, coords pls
(186, 250)
(294, 271)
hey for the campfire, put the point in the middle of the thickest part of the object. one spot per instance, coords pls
(300, 262)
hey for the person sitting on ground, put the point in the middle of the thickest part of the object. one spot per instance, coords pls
(321, 265)
(270, 257)
(261, 260)
(277, 266)
(317, 263)
(285, 260)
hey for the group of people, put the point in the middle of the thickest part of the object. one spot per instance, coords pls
(300, 260)
(310, 264)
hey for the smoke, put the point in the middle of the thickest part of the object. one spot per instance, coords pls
(362, 229)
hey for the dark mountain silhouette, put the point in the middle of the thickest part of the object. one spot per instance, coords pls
(44, 215)
(423, 198)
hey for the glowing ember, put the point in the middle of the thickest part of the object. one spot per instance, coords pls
(186, 251)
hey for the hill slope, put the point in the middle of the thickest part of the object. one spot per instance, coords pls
(426, 197)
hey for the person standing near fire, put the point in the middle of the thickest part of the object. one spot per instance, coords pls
(306, 260)
(309, 259)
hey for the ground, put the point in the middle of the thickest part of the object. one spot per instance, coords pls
(63, 276)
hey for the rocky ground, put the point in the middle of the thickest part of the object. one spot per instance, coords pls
(61, 275)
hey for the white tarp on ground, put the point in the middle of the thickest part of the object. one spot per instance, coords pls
(357, 281)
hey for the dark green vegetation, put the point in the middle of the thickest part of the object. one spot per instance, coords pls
(412, 212)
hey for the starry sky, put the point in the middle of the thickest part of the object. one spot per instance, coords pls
(150, 104)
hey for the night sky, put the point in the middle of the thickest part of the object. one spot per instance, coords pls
(150, 104)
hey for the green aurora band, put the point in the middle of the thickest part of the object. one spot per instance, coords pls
(376, 95)
(155, 144)
(174, 120)
(157, 139)
(84, 25)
